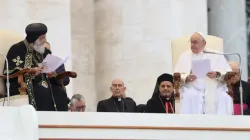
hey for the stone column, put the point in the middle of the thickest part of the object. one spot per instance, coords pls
(83, 50)
(227, 19)
(133, 41)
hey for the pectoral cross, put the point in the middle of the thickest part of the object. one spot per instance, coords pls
(17, 61)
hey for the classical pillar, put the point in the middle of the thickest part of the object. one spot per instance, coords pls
(133, 41)
(83, 50)
(227, 19)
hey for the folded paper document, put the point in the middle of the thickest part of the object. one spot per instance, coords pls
(51, 63)
(200, 68)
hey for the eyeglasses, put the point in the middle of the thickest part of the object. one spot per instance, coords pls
(80, 108)
(194, 42)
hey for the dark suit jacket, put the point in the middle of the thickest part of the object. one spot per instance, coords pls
(109, 105)
(246, 92)
(246, 95)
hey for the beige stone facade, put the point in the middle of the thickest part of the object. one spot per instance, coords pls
(128, 39)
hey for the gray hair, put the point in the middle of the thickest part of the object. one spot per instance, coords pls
(76, 97)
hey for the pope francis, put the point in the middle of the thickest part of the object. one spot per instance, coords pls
(206, 95)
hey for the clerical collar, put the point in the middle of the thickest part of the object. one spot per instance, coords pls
(117, 99)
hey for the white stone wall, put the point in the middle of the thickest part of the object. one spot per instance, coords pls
(133, 40)
(83, 50)
(227, 19)
(17, 14)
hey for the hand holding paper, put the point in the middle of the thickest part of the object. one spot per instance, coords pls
(51, 63)
(212, 74)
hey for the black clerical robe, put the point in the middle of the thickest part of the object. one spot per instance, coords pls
(158, 105)
(114, 105)
(246, 92)
(21, 55)
(246, 95)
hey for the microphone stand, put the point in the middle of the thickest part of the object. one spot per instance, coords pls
(7, 79)
(240, 88)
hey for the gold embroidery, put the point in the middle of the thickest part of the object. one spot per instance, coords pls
(28, 78)
(10, 71)
(44, 84)
(17, 60)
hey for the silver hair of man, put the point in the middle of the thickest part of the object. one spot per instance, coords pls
(76, 97)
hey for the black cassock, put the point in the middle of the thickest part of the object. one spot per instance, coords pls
(246, 95)
(114, 105)
(157, 104)
(21, 55)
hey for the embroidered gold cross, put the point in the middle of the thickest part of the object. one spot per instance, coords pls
(17, 61)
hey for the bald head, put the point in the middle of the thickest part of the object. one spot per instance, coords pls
(198, 43)
(117, 88)
(235, 66)
(117, 81)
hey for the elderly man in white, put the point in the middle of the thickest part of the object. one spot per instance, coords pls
(203, 95)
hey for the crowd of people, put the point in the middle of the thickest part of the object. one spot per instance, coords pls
(199, 95)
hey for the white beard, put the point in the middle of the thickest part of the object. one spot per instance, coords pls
(38, 47)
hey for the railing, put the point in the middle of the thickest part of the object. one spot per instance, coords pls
(138, 126)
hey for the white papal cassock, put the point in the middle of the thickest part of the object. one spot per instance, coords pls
(204, 95)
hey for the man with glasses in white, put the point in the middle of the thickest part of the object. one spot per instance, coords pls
(206, 93)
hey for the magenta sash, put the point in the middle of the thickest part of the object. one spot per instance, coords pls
(237, 108)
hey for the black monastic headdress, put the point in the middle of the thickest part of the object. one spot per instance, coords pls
(35, 30)
(161, 78)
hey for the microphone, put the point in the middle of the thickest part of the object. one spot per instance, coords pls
(7, 79)
(240, 88)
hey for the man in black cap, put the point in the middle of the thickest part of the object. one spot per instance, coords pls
(43, 90)
(162, 100)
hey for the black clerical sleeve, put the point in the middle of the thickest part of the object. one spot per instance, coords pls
(16, 58)
(150, 108)
(101, 107)
(173, 103)
(246, 92)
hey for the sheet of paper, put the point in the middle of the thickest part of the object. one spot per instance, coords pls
(51, 63)
(200, 68)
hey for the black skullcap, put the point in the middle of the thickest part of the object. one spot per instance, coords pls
(165, 77)
(34, 31)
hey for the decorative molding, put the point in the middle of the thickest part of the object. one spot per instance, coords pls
(44, 126)
(86, 139)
